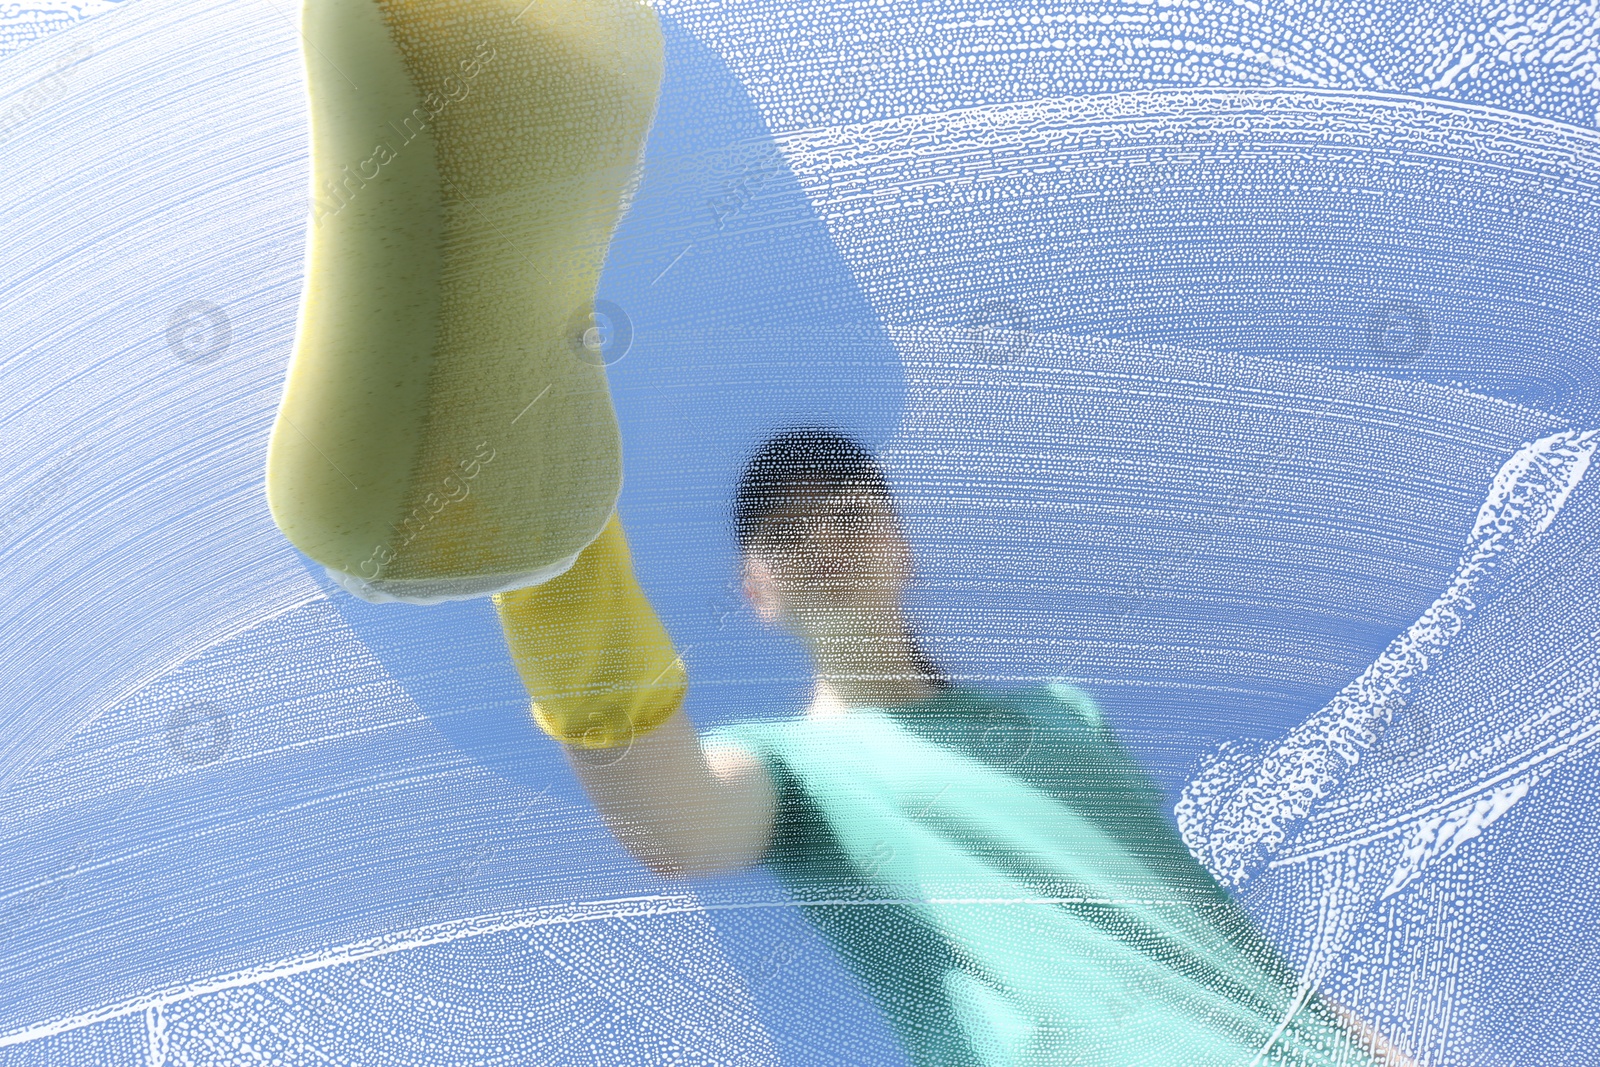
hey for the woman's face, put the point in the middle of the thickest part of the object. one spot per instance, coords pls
(829, 561)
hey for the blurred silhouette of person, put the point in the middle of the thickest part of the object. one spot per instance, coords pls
(992, 864)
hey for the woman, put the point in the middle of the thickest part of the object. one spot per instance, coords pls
(992, 864)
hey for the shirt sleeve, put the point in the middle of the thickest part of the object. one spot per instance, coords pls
(799, 832)
(798, 829)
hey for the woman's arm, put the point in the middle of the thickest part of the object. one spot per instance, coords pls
(681, 809)
(606, 682)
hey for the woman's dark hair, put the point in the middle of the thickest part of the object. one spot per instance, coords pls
(801, 457)
(809, 457)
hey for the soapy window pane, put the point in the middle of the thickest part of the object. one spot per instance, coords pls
(1234, 366)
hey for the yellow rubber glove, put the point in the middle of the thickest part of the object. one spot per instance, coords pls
(591, 650)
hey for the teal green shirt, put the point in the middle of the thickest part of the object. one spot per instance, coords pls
(1001, 876)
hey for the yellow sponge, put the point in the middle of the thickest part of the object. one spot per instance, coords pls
(441, 433)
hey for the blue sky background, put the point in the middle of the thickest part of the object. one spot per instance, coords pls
(1273, 315)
